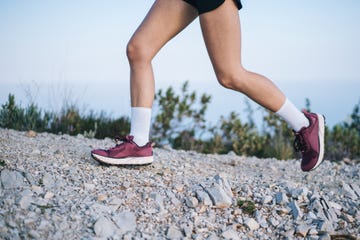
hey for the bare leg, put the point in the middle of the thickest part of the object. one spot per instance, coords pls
(165, 19)
(222, 36)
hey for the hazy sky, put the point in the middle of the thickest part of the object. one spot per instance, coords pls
(76, 50)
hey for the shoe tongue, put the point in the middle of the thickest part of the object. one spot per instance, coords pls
(121, 139)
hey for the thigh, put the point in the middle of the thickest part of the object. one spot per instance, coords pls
(222, 36)
(165, 19)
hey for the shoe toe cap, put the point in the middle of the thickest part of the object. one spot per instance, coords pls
(100, 152)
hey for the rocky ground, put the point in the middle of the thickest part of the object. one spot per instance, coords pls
(50, 188)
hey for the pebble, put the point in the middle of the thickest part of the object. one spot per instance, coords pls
(295, 210)
(281, 198)
(174, 233)
(53, 189)
(49, 195)
(48, 181)
(126, 221)
(302, 230)
(203, 197)
(25, 202)
(104, 228)
(252, 224)
(191, 202)
(230, 234)
(101, 197)
(267, 200)
(11, 179)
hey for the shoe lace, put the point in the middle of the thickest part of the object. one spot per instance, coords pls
(122, 139)
(299, 143)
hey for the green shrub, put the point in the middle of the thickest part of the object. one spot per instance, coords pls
(242, 138)
(278, 137)
(11, 116)
(180, 122)
(343, 140)
(68, 121)
(15, 117)
(247, 206)
(180, 118)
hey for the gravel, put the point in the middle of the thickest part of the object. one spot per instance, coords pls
(50, 188)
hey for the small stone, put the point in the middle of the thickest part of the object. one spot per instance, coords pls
(89, 187)
(173, 198)
(30, 178)
(104, 228)
(34, 234)
(187, 230)
(174, 233)
(36, 152)
(101, 197)
(349, 192)
(203, 197)
(37, 189)
(159, 200)
(313, 231)
(281, 198)
(224, 183)
(11, 179)
(325, 226)
(191, 202)
(29, 222)
(335, 206)
(49, 195)
(302, 230)
(251, 223)
(115, 203)
(48, 181)
(295, 210)
(267, 199)
(219, 198)
(25, 202)
(179, 187)
(348, 218)
(274, 222)
(311, 215)
(230, 234)
(356, 189)
(288, 234)
(300, 194)
(126, 221)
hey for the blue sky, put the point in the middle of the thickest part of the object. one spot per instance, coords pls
(75, 51)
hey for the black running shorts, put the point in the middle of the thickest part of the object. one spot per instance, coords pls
(204, 6)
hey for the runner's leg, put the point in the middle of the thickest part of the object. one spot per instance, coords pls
(222, 36)
(165, 19)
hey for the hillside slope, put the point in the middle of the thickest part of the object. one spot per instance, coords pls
(50, 188)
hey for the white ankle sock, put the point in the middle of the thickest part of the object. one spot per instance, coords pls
(140, 124)
(292, 116)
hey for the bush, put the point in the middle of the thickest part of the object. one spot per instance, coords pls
(180, 118)
(279, 137)
(15, 117)
(242, 138)
(180, 122)
(68, 121)
(343, 141)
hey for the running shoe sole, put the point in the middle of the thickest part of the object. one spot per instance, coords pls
(123, 161)
(321, 134)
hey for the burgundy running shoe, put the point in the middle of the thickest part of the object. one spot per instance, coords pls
(126, 152)
(310, 141)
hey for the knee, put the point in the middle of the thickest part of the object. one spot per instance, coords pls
(236, 80)
(137, 52)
